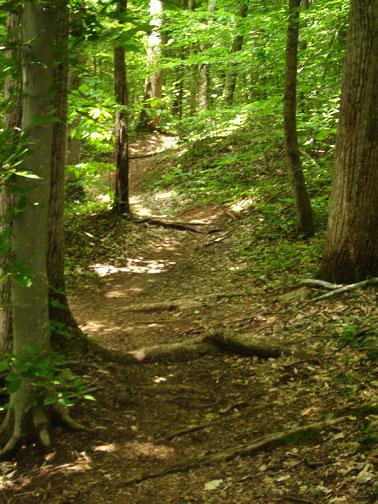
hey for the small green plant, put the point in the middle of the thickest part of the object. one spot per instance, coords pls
(368, 435)
(51, 381)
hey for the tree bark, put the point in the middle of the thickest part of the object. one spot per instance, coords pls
(236, 47)
(30, 306)
(60, 314)
(153, 88)
(193, 75)
(121, 192)
(204, 73)
(27, 415)
(351, 252)
(297, 180)
(12, 122)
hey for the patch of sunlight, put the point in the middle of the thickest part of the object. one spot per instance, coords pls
(104, 198)
(236, 123)
(159, 379)
(159, 452)
(82, 463)
(106, 448)
(93, 326)
(243, 205)
(165, 195)
(152, 266)
(123, 292)
(166, 243)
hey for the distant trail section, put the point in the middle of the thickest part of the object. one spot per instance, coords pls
(143, 154)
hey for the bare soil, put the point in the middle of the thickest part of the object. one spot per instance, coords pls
(153, 417)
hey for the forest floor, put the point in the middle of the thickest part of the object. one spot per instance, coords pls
(155, 426)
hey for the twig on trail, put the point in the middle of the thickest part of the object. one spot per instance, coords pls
(288, 468)
(309, 432)
(146, 155)
(193, 428)
(193, 227)
(344, 288)
(216, 240)
(210, 423)
(314, 282)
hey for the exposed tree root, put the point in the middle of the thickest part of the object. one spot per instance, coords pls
(299, 434)
(248, 345)
(35, 422)
(193, 227)
(344, 288)
(213, 342)
(171, 352)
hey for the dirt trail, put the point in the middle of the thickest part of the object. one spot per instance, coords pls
(151, 418)
(170, 264)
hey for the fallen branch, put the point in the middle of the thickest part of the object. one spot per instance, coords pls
(193, 227)
(221, 418)
(313, 282)
(309, 433)
(146, 155)
(344, 288)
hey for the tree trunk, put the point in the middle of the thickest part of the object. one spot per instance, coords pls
(204, 73)
(177, 107)
(27, 414)
(74, 190)
(12, 122)
(351, 252)
(121, 193)
(193, 76)
(61, 317)
(29, 239)
(236, 47)
(153, 88)
(303, 205)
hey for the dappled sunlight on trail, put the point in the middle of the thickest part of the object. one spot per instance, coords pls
(134, 266)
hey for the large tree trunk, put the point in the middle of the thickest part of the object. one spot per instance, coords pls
(121, 194)
(351, 252)
(12, 122)
(302, 200)
(153, 88)
(27, 414)
(236, 47)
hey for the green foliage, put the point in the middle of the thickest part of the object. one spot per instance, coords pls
(50, 380)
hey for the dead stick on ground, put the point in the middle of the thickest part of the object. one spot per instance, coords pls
(181, 226)
(314, 282)
(345, 288)
(220, 419)
(271, 441)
